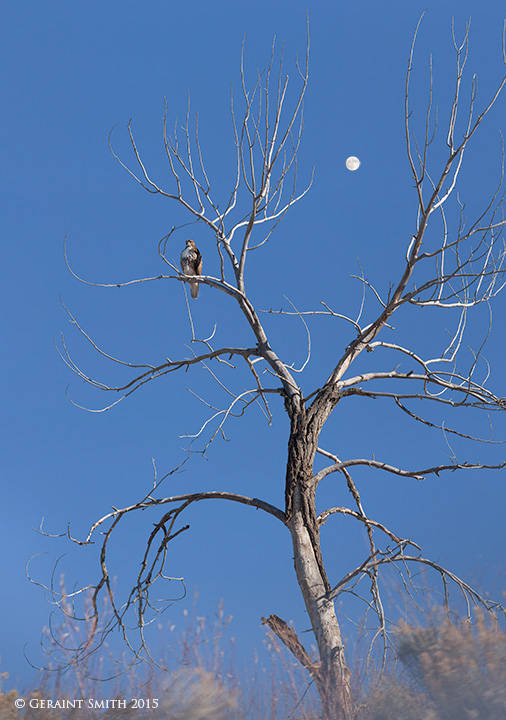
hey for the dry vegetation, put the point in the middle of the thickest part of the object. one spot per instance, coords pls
(448, 671)
(444, 671)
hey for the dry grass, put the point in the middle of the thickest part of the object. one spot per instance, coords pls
(445, 671)
(448, 671)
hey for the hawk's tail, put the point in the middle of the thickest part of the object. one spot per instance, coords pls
(194, 288)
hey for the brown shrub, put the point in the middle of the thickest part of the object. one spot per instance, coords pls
(450, 671)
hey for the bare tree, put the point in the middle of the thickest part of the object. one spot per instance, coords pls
(452, 268)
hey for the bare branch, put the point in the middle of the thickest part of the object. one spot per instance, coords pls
(416, 474)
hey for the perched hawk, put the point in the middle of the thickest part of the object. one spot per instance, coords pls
(191, 264)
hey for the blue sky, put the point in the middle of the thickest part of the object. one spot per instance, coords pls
(71, 72)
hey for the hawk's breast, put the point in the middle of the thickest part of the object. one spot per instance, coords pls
(188, 260)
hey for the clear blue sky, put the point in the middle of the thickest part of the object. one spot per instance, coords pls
(70, 72)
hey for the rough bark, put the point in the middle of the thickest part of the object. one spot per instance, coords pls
(333, 676)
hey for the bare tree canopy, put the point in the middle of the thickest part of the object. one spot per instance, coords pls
(450, 263)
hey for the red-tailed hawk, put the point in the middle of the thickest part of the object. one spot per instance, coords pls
(191, 264)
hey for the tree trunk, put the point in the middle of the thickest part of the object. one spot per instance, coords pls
(333, 676)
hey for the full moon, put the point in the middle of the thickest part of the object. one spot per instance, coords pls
(353, 163)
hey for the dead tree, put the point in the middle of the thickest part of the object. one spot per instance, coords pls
(444, 266)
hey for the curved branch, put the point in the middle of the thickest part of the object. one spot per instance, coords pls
(186, 498)
(397, 557)
(480, 394)
(324, 516)
(416, 474)
(446, 429)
